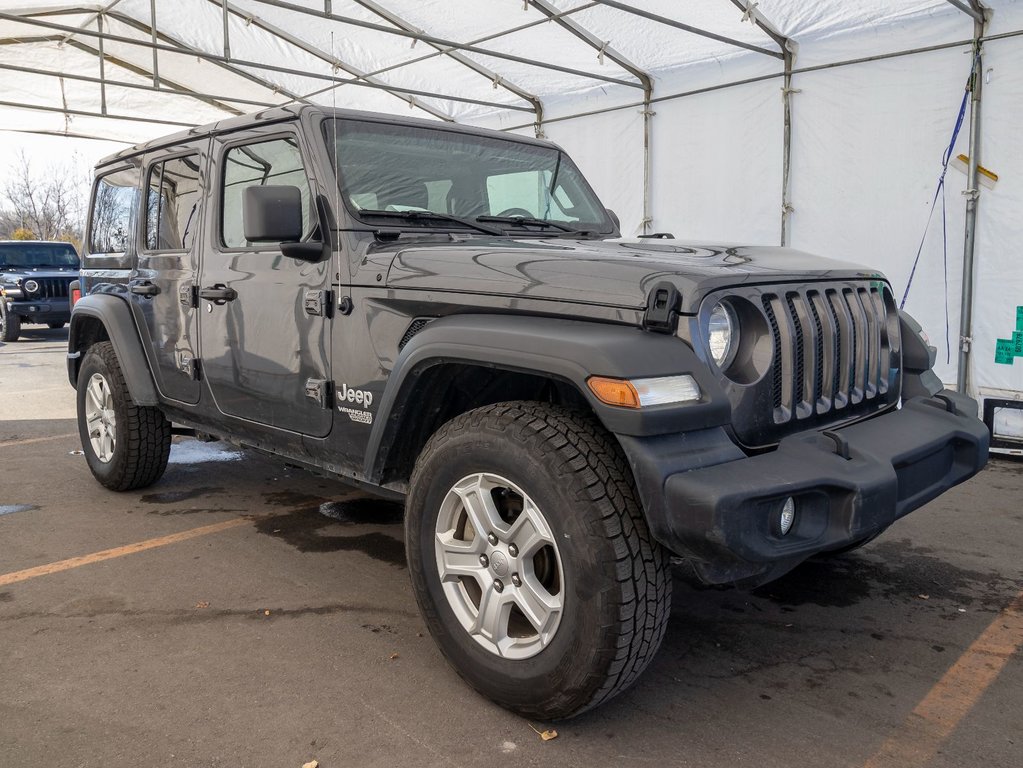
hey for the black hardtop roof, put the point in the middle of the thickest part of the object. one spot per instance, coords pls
(281, 114)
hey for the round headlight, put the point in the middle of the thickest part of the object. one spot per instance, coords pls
(31, 286)
(722, 334)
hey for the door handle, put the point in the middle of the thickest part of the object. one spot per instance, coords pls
(219, 294)
(144, 288)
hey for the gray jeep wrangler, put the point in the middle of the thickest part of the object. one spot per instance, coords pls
(34, 280)
(449, 316)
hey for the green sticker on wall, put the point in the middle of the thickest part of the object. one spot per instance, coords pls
(1004, 354)
(1017, 343)
(1019, 318)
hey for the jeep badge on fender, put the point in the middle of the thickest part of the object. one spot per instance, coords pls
(562, 410)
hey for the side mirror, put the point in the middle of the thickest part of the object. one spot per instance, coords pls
(272, 214)
(614, 218)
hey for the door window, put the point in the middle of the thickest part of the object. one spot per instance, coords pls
(267, 163)
(112, 208)
(172, 204)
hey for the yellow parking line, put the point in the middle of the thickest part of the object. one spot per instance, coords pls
(128, 549)
(29, 440)
(952, 698)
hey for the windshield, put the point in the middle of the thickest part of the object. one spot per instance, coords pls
(28, 254)
(403, 168)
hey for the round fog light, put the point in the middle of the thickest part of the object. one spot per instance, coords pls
(787, 516)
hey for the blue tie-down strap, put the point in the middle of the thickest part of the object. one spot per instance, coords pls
(940, 192)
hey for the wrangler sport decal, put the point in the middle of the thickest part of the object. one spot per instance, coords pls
(358, 397)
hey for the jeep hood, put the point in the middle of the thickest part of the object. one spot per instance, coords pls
(13, 273)
(617, 273)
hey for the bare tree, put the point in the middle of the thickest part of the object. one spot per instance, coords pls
(50, 202)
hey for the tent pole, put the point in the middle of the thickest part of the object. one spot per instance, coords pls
(786, 152)
(102, 67)
(227, 29)
(648, 114)
(156, 53)
(972, 198)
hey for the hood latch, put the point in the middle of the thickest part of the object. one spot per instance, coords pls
(662, 306)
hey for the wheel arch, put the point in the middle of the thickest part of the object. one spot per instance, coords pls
(463, 362)
(104, 317)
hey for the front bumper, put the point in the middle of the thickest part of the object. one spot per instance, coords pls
(849, 484)
(41, 311)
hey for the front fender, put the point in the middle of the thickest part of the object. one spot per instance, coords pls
(568, 350)
(115, 316)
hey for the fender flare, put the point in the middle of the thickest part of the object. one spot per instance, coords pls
(116, 317)
(569, 350)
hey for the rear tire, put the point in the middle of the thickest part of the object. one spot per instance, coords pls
(10, 325)
(568, 537)
(54, 326)
(125, 445)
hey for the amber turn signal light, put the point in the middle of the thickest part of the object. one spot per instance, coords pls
(618, 392)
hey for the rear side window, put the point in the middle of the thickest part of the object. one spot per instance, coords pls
(112, 209)
(172, 204)
(269, 163)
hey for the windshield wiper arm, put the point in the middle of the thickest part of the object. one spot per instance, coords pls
(526, 220)
(520, 220)
(434, 216)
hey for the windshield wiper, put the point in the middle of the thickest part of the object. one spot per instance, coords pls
(528, 221)
(433, 216)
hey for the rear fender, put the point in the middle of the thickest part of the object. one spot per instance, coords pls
(113, 315)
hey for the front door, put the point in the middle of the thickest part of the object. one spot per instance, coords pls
(162, 286)
(264, 321)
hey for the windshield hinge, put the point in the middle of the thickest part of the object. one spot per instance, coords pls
(662, 308)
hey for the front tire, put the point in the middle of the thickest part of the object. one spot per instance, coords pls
(531, 561)
(10, 324)
(125, 445)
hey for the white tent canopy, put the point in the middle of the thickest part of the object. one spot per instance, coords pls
(820, 125)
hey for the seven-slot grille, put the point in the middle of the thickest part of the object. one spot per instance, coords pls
(812, 355)
(832, 351)
(50, 287)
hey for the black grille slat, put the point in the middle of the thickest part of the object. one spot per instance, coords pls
(885, 351)
(857, 362)
(821, 363)
(799, 355)
(776, 337)
(872, 345)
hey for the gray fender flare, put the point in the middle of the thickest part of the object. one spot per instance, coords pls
(116, 317)
(569, 350)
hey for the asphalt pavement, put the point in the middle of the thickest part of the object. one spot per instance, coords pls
(241, 613)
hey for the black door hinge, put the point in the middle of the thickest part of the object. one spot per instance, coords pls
(188, 296)
(318, 303)
(188, 365)
(321, 391)
(662, 306)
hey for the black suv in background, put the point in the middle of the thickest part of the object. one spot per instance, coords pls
(34, 280)
(450, 317)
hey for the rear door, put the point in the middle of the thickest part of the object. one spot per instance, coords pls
(265, 350)
(162, 289)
